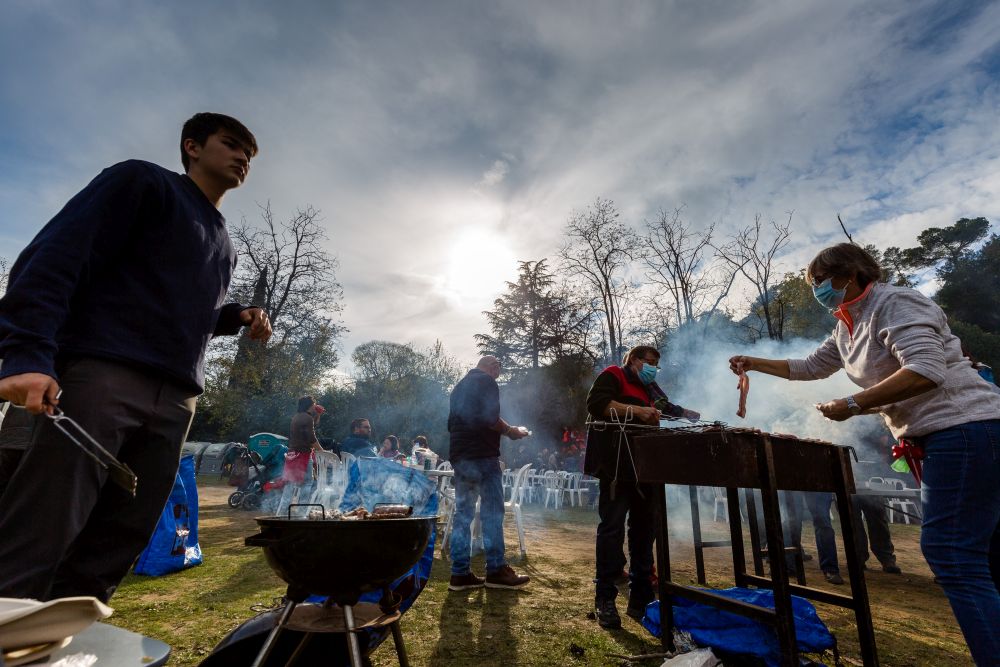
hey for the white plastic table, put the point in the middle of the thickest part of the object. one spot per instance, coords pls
(114, 647)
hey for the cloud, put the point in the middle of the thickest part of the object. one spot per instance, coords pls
(495, 174)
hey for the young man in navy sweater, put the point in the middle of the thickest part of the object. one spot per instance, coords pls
(114, 303)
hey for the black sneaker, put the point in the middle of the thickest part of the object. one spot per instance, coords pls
(834, 578)
(891, 568)
(607, 613)
(464, 582)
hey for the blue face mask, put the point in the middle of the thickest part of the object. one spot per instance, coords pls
(647, 374)
(827, 296)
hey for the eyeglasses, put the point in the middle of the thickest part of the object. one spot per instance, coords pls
(819, 280)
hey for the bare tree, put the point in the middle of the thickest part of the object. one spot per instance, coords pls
(285, 269)
(4, 274)
(598, 252)
(753, 252)
(675, 259)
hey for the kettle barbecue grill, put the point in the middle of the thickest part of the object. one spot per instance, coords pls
(340, 559)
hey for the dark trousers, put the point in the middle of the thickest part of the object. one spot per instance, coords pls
(10, 459)
(876, 516)
(640, 514)
(818, 504)
(64, 530)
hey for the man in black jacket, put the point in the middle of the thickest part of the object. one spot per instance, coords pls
(624, 394)
(475, 427)
(113, 304)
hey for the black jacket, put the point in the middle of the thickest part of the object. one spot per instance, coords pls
(475, 409)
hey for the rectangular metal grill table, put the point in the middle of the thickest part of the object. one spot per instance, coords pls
(736, 459)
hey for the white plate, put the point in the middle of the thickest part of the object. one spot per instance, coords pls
(22, 656)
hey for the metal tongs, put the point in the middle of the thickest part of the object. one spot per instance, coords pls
(118, 472)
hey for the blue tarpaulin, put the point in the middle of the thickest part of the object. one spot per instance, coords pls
(174, 544)
(737, 634)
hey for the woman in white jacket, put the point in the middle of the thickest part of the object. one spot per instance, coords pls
(895, 344)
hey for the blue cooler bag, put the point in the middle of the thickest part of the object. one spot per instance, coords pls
(174, 544)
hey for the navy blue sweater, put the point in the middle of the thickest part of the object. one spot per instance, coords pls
(134, 268)
(475, 409)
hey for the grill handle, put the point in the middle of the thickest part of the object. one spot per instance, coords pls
(260, 540)
(306, 505)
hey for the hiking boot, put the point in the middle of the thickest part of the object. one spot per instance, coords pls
(834, 578)
(637, 606)
(506, 577)
(464, 582)
(891, 568)
(607, 613)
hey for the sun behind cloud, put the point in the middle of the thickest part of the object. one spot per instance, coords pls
(478, 264)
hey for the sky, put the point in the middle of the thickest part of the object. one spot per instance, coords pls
(445, 141)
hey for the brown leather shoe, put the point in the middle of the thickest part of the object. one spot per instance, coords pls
(464, 582)
(506, 577)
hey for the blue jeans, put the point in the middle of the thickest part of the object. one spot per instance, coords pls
(960, 536)
(477, 479)
(826, 538)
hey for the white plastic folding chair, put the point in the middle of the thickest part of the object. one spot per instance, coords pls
(721, 509)
(574, 488)
(553, 483)
(331, 480)
(514, 505)
(904, 506)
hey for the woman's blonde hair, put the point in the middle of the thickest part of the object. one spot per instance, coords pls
(842, 261)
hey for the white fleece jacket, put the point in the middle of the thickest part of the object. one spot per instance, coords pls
(898, 327)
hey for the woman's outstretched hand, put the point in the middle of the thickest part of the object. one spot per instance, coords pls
(734, 363)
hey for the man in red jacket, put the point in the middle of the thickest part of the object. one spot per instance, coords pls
(625, 394)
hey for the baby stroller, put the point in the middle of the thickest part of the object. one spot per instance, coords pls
(249, 474)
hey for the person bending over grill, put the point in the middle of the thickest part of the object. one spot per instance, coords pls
(895, 343)
(475, 427)
(625, 393)
(114, 302)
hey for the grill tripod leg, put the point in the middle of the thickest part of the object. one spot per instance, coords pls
(352, 637)
(397, 639)
(265, 651)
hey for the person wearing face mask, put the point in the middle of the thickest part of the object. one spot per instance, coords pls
(629, 394)
(896, 345)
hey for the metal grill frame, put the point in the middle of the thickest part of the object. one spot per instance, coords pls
(714, 455)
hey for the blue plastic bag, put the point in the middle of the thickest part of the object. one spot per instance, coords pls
(737, 634)
(377, 480)
(174, 544)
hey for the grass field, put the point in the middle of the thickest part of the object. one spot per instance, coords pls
(194, 609)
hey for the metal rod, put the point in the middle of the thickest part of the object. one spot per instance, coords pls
(397, 640)
(265, 651)
(859, 589)
(699, 546)
(776, 547)
(663, 570)
(352, 637)
(736, 534)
